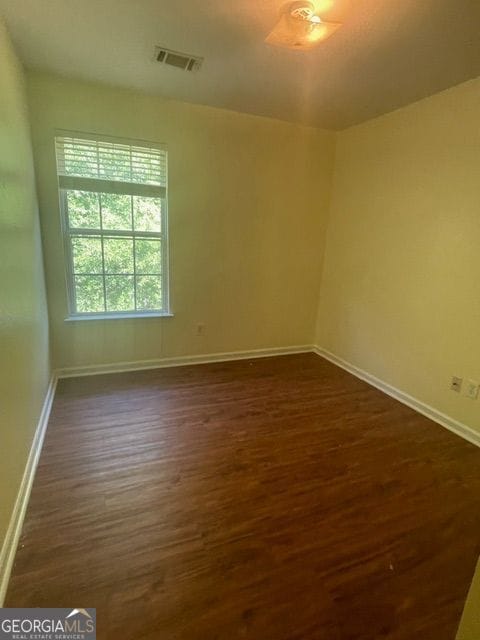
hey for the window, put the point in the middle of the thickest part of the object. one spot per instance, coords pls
(113, 196)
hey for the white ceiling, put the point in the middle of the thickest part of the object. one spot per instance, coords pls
(388, 53)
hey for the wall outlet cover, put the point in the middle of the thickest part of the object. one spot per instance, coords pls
(471, 389)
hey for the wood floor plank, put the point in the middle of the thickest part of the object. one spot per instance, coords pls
(271, 499)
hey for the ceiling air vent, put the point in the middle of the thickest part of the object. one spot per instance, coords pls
(183, 61)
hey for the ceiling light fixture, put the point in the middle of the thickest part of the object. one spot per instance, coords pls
(300, 28)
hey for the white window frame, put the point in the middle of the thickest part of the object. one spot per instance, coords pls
(68, 232)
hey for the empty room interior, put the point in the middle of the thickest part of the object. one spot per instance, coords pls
(240, 319)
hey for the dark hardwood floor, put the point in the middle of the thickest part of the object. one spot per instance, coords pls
(273, 499)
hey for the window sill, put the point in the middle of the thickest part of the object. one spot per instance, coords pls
(118, 316)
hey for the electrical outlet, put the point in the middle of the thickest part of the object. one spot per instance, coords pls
(200, 329)
(471, 389)
(456, 384)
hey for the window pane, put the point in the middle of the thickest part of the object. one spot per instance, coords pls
(87, 254)
(146, 168)
(148, 256)
(119, 293)
(80, 160)
(116, 211)
(118, 255)
(147, 213)
(83, 210)
(149, 292)
(114, 162)
(89, 294)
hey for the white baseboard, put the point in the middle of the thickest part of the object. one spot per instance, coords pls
(448, 422)
(138, 365)
(9, 547)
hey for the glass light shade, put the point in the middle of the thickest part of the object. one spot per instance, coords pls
(297, 33)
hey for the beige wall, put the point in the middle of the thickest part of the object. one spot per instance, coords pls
(247, 204)
(469, 628)
(400, 295)
(24, 362)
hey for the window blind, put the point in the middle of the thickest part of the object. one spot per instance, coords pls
(110, 167)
